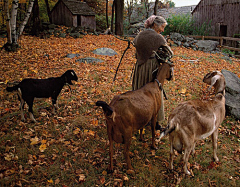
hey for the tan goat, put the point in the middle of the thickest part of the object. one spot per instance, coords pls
(215, 79)
(197, 119)
(132, 110)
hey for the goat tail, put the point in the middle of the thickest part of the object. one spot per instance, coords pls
(106, 108)
(170, 128)
(10, 89)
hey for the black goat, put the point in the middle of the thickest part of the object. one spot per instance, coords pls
(28, 89)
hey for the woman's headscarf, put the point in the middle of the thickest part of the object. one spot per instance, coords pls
(154, 19)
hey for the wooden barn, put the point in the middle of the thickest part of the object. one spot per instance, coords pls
(224, 16)
(73, 13)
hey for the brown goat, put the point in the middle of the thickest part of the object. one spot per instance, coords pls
(132, 111)
(194, 120)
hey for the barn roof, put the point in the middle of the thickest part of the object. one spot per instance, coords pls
(78, 8)
(214, 2)
(168, 12)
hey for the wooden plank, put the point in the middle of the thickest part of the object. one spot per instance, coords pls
(213, 37)
(230, 38)
(216, 37)
(231, 48)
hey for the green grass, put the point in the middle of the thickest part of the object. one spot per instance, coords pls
(67, 153)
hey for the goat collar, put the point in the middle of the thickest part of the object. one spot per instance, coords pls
(161, 88)
(159, 84)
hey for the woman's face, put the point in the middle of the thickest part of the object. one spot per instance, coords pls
(160, 28)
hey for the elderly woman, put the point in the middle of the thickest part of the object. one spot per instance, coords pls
(146, 42)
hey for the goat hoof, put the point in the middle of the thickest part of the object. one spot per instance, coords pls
(216, 159)
(188, 172)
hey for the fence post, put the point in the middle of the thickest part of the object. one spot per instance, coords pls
(221, 43)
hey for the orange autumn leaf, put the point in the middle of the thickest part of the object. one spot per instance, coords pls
(42, 147)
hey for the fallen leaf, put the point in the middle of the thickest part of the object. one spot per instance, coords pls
(183, 91)
(50, 181)
(81, 178)
(76, 131)
(57, 181)
(42, 147)
(34, 141)
(102, 180)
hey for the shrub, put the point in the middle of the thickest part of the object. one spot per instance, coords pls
(102, 22)
(227, 51)
(184, 24)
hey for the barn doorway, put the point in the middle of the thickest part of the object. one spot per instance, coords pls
(223, 30)
(78, 20)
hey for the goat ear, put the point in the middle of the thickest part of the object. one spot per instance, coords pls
(211, 74)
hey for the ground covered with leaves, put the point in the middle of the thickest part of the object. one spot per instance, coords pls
(70, 147)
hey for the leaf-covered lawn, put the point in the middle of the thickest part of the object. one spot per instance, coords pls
(70, 147)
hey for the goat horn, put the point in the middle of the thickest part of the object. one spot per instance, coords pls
(164, 60)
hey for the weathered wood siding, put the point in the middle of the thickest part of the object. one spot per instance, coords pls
(75, 21)
(88, 21)
(220, 13)
(62, 16)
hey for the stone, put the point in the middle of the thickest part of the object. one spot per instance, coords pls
(177, 37)
(51, 26)
(233, 105)
(232, 94)
(207, 45)
(75, 35)
(232, 82)
(105, 51)
(89, 60)
(72, 55)
(50, 31)
(189, 40)
(178, 43)
(69, 30)
(62, 35)
(186, 45)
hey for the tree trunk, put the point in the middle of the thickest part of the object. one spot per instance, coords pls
(12, 34)
(146, 5)
(113, 7)
(119, 6)
(107, 13)
(13, 21)
(155, 7)
(36, 20)
(27, 15)
(130, 10)
(48, 11)
(9, 35)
